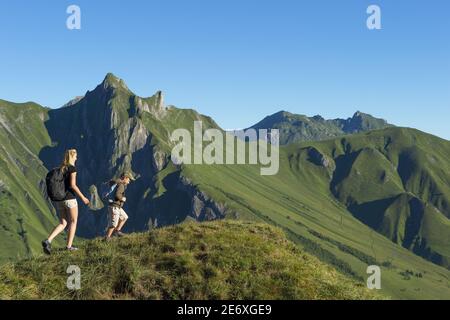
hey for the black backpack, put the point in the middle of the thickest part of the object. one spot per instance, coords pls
(56, 187)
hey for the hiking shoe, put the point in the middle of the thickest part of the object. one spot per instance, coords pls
(119, 234)
(47, 247)
(107, 239)
(72, 248)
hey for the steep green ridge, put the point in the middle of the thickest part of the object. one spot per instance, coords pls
(397, 182)
(24, 212)
(318, 193)
(298, 128)
(214, 260)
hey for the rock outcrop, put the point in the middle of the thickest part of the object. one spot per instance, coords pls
(202, 207)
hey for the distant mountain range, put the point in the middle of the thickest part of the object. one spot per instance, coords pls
(352, 192)
(297, 128)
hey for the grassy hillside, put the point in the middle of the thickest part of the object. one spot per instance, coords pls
(397, 181)
(310, 199)
(25, 216)
(214, 260)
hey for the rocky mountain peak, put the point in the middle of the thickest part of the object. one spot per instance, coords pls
(112, 82)
(360, 115)
(363, 122)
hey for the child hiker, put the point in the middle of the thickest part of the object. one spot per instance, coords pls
(116, 215)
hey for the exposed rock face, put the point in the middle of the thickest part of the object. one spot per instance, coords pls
(130, 136)
(142, 106)
(316, 157)
(160, 109)
(138, 137)
(160, 100)
(202, 207)
(96, 202)
(160, 159)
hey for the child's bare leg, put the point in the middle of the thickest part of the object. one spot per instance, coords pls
(110, 232)
(121, 224)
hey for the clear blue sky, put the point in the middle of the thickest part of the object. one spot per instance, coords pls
(238, 61)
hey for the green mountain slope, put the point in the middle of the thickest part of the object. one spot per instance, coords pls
(24, 212)
(297, 128)
(215, 260)
(397, 182)
(324, 189)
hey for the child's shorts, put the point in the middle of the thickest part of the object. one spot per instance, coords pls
(116, 214)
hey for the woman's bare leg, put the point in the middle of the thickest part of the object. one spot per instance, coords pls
(60, 227)
(73, 215)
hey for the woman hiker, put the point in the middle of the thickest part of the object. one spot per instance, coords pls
(67, 207)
